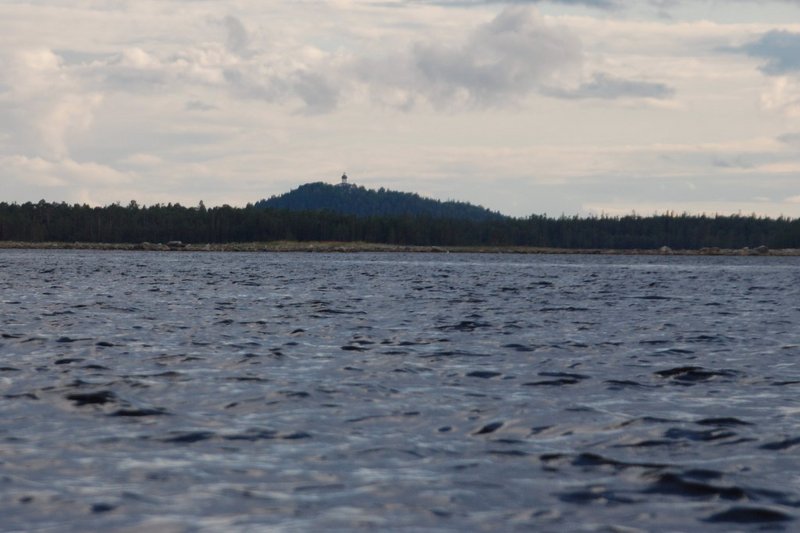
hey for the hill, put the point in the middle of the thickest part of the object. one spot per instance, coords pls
(350, 199)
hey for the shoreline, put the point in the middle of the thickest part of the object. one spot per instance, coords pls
(362, 247)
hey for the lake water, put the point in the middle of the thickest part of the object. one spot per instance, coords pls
(305, 392)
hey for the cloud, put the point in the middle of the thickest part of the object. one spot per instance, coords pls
(603, 4)
(79, 57)
(319, 93)
(141, 160)
(494, 64)
(600, 4)
(501, 61)
(46, 173)
(297, 73)
(792, 138)
(498, 63)
(44, 104)
(237, 39)
(606, 87)
(780, 49)
(137, 70)
(783, 96)
(312, 85)
(198, 105)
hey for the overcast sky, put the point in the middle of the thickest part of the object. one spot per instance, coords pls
(525, 107)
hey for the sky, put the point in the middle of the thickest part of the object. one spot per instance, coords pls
(584, 107)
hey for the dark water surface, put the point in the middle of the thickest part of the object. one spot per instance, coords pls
(292, 392)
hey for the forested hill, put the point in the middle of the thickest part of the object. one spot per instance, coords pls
(361, 202)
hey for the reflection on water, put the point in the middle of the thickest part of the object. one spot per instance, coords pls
(439, 392)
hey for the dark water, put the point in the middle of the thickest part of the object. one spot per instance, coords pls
(224, 392)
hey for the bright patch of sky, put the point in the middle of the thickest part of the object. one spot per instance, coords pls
(525, 107)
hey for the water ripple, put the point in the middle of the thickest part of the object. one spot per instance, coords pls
(145, 391)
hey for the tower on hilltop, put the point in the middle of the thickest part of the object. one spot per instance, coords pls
(344, 180)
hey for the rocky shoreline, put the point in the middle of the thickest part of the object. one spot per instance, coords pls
(356, 247)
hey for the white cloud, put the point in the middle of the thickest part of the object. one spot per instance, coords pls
(63, 172)
(782, 95)
(34, 178)
(44, 104)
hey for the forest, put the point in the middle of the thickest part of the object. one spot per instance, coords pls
(61, 222)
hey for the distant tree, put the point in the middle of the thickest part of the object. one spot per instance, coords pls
(44, 221)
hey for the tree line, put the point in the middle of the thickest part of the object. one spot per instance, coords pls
(61, 222)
